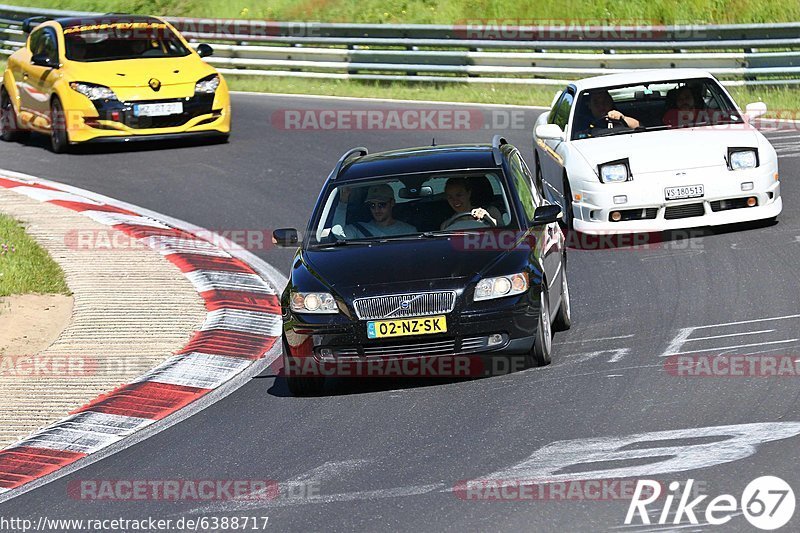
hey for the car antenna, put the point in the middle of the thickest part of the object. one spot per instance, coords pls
(433, 142)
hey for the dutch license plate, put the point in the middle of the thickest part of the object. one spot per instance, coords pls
(377, 329)
(157, 110)
(680, 193)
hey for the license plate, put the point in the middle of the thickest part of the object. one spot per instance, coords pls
(157, 110)
(688, 191)
(377, 329)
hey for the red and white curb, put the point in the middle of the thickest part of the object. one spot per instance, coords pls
(238, 339)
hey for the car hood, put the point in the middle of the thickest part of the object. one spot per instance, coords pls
(131, 73)
(407, 266)
(659, 151)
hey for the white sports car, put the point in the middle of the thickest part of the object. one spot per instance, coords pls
(654, 150)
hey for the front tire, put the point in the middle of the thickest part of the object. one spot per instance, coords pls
(543, 344)
(59, 138)
(563, 320)
(300, 385)
(9, 123)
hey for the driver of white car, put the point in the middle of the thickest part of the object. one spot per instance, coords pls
(601, 104)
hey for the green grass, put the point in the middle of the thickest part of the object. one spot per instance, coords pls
(451, 11)
(25, 267)
(779, 100)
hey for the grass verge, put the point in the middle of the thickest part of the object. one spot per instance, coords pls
(25, 267)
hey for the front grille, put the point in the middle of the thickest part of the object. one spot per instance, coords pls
(405, 305)
(684, 211)
(648, 213)
(438, 347)
(731, 203)
(194, 106)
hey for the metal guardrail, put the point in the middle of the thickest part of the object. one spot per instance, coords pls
(753, 54)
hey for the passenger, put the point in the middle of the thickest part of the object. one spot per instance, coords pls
(459, 195)
(603, 113)
(380, 201)
(687, 110)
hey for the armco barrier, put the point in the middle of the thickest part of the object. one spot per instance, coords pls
(550, 54)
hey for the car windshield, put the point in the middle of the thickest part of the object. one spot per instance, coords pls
(122, 40)
(652, 106)
(411, 206)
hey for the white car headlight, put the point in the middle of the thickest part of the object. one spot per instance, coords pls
(207, 85)
(93, 91)
(742, 159)
(313, 302)
(490, 288)
(615, 172)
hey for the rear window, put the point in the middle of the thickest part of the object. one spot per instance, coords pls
(122, 40)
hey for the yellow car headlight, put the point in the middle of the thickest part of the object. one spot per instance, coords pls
(92, 91)
(207, 85)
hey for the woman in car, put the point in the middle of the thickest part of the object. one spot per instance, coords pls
(459, 195)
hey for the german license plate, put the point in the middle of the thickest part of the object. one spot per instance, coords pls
(157, 110)
(377, 329)
(680, 193)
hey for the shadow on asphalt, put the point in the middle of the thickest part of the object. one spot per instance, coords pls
(36, 140)
(350, 386)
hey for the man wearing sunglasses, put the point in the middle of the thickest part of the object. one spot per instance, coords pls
(380, 202)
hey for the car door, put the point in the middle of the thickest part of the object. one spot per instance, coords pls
(553, 151)
(36, 85)
(548, 238)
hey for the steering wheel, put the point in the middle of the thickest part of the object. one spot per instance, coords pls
(485, 220)
(617, 121)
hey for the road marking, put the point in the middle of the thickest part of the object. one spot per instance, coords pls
(726, 348)
(785, 317)
(600, 339)
(616, 355)
(245, 321)
(730, 335)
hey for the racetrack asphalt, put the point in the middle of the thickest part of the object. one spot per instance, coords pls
(385, 455)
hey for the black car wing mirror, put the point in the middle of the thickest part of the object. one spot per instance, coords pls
(546, 214)
(43, 60)
(204, 50)
(285, 237)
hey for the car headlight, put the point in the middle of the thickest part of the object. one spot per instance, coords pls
(207, 85)
(742, 158)
(93, 91)
(313, 302)
(490, 288)
(615, 171)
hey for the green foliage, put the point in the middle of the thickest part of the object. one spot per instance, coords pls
(25, 267)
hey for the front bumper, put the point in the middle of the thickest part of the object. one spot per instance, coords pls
(109, 121)
(722, 203)
(337, 349)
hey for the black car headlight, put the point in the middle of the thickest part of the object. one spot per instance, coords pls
(742, 158)
(93, 91)
(615, 171)
(501, 286)
(207, 85)
(313, 302)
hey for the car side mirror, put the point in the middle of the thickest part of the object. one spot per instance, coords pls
(549, 132)
(285, 237)
(755, 110)
(546, 214)
(204, 50)
(43, 60)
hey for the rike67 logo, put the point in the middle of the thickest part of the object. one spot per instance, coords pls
(767, 502)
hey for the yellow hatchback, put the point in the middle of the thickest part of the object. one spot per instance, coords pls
(111, 78)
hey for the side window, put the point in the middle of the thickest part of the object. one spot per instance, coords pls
(551, 117)
(562, 109)
(537, 195)
(37, 42)
(50, 44)
(522, 183)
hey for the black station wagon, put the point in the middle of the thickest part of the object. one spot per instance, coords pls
(421, 253)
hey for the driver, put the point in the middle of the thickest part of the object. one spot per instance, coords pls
(458, 194)
(603, 113)
(380, 201)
